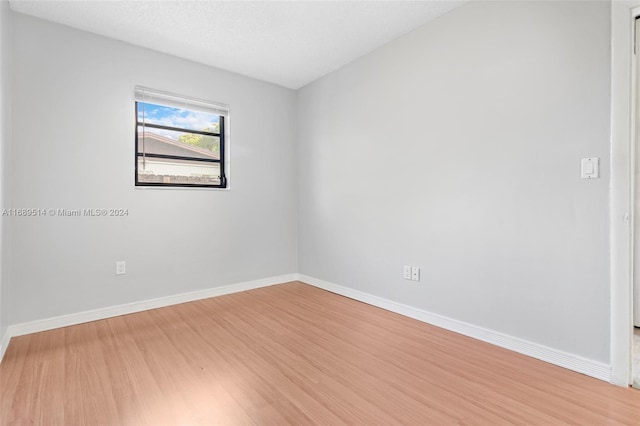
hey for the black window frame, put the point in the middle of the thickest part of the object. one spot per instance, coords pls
(220, 135)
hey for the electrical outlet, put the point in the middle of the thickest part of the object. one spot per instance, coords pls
(415, 273)
(407, 272)
(121, 267)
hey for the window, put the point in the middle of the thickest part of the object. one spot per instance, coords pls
(180, 142)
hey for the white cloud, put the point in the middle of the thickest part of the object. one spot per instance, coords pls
(175, 117)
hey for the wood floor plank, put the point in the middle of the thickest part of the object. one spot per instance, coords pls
(366, 373)
(133, 386)
(289, 354)
(400, 375)
(278, 347)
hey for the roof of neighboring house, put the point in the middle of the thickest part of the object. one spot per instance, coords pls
(153, 143)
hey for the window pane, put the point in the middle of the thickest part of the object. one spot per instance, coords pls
(169, 142)
(178, 117)
(160, 170)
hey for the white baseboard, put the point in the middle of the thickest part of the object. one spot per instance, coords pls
(573, 362)
(4, 343)
(563, 359)
(130, 308)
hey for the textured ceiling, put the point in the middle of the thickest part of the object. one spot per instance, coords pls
(290, 43)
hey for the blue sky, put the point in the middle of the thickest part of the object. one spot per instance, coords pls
(175, 117)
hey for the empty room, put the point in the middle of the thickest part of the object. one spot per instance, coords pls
(319, 212)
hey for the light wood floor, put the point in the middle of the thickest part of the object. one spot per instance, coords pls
(288, 354)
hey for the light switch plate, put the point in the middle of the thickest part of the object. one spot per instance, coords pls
(407, 272)
(590, 168)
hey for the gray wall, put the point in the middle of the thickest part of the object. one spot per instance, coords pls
(457, 148)
(5, 133)
(73, 148)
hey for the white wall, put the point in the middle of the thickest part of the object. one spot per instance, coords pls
(74, 148)
(457, 148)
(5, 120)
(636, 207)
(5, 134)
